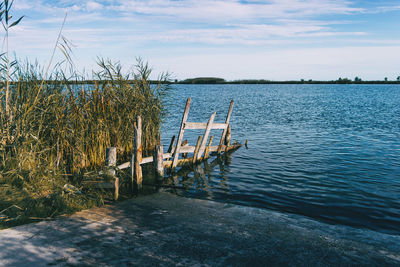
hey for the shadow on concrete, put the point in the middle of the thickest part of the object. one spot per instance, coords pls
(167, 230)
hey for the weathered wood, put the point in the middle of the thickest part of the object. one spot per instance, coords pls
(196, 150)
(158, 156)
(132, 165)
(116, 190)
(166, 155)
(246, 143)
(181, 162)
(111, 162)
(203, 125)
(228, 136)
(184, 144)
(205, 136)
(138, 153)
(228, 117)
(124, 165)
(207, 151)
(146, 160)
(233, 147)
(181, 131)
(187, 149)
(171, 145)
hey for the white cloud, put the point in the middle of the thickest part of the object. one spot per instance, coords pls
(92, 6)
(216, 10)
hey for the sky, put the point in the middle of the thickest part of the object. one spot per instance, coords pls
(231, 39)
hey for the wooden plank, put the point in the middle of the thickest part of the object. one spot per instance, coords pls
(144, 161)
(158, 164)
(205, 136)
(138, 153)
(196, 150)
(228, 117)
(181, 131)
(124, 165)
(203, 125)
(207, 151)
(187, 149)
(147, 160)
(166, 155)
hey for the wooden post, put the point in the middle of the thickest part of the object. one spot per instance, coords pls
(158, 161)
(206, 134)
(228, 137)
(133, 173)
(181, 131)
(228, 117)
(196, 151)
(111, 162)
(207, 151)
(184, 143)
(171, 145)
(246, 143)
(138, 153)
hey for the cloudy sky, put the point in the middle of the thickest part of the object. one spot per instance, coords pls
(232, 39)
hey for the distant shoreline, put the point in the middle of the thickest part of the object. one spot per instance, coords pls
(195, 81)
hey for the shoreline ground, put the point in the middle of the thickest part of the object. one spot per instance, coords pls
(167, 230)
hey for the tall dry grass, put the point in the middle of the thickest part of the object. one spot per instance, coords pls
(60, 130)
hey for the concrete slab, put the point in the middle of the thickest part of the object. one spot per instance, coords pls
(167, 230)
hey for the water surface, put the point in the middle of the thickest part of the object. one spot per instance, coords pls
(329, 152)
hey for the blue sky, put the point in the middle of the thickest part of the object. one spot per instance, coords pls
(255, 39)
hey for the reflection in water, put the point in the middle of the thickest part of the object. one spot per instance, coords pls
(201, 177)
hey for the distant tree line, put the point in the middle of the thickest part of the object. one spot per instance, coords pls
(214, 80)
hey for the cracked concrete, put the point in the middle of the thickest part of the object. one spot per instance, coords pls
(167, 230)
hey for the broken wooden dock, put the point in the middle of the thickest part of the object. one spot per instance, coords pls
(177, 154)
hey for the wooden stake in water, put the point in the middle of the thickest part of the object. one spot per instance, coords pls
(196, 151)
(181, 131)
(228, 117)
(158, 160)
(206, 134)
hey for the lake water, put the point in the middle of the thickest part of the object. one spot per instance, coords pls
(328, 152)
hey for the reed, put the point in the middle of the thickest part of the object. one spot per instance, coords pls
(60, 130)
(55, 130)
